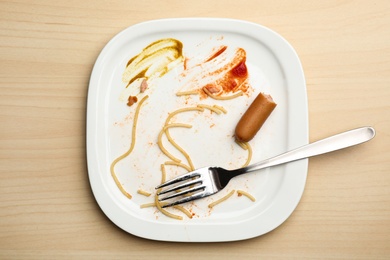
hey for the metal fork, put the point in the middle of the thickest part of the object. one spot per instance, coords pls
(207, 181)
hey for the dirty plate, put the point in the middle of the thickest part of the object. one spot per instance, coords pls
(273, 67)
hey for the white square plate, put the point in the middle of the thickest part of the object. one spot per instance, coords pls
(273, 67)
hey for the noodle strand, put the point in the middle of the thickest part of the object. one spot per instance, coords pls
(179, 165)
(186, 93)
(133, 139)
(221, 199)
(145, 193)
(246, 194)
(157, 203)
(239, 93)
(214, 109)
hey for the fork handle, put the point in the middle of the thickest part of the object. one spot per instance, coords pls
(330, 144)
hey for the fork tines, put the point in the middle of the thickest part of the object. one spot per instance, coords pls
(195, 184)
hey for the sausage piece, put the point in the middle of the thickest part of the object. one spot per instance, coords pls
(252, 120)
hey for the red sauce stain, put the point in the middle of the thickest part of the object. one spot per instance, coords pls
(217, 53)
(229, 74)
(240, 70)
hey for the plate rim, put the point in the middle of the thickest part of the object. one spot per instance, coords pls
(104, 201)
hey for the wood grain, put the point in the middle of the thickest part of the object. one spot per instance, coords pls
(47, 51)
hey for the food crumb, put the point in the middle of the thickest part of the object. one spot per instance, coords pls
(131, 100)
(144, 86)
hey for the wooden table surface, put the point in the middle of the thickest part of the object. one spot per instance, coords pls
(47, 51)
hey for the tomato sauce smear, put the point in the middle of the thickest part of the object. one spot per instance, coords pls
(222, 72)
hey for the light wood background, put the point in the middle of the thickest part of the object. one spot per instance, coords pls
(47, 50)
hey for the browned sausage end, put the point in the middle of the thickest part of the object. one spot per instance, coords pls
(255, 116)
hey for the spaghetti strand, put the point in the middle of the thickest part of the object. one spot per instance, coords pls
(213, 204)
(237, 94)
(246, 194)
(133, 139)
